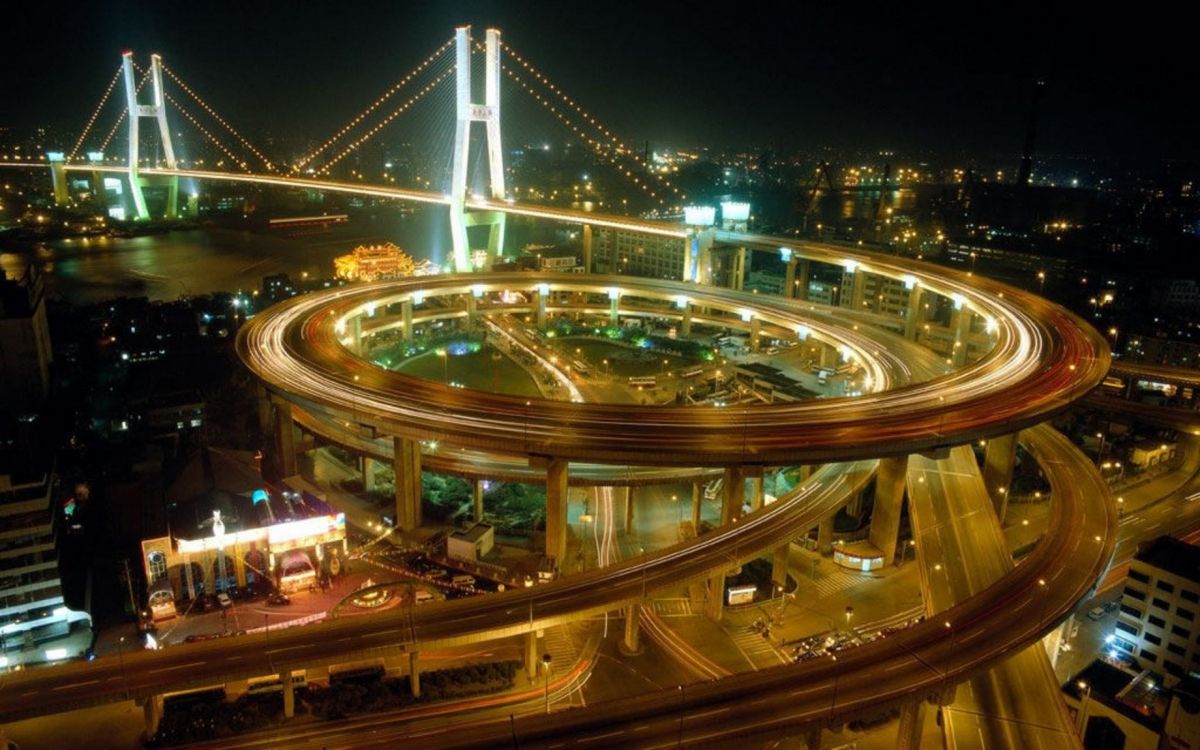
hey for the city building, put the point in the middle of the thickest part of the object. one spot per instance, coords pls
(25, 351)
(35, 623)
(473, 544)
(1114, 708)
(652, 256)
(1157, 622)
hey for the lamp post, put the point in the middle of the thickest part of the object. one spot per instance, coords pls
(121, 659)
(849, 614)
(546, 664)
(1086, 690)
(1041, 282)
(445, 366)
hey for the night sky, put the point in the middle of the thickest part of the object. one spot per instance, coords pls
(946, 80)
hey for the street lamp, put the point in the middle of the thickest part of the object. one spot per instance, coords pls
(445, 367)
(546, 664)
(1086, 691)
(121, 659)
(849, 614)
(1041, 282)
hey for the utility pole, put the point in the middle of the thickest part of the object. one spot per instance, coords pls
(129, 587)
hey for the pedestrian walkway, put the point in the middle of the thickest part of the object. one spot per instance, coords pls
(759, 651)
(836, 582)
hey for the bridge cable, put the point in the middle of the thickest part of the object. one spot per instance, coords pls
(373, 106)
(420, 94)
(204, 105)
(587, 117)
(96, 113)
(204, 131)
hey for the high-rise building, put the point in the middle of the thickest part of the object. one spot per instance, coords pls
(1157, 623)
(25, 352)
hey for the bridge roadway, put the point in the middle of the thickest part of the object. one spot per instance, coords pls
(1044, 358)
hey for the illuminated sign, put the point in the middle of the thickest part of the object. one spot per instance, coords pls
(95, 156)
(699, 216)
(741, 594)
(56, 156)
(785, 254)
(734, 211)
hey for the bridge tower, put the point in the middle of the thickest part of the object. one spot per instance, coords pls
(157, 110)
(489, 114)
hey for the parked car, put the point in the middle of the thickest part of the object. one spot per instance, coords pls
(1095, 613)
(224, 600)
(278, 599)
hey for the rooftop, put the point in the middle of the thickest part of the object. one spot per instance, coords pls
(473, 534)
(1176, 557)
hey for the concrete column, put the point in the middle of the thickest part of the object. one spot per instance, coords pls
(478, 505)
(889, 499)
(289, 694)
(685, 328)
(631, 644)
(716, 597)
(912, 721)
(556, 509)
(803, 277)
(829, 355)
(825, 535)
(737, 274)
(406, 312)
(913, 317)
(285, 439)
(697, 503)
(779, 564)
(356, 328)
(755, 334)
(789, 277)
(472, 309)
(189, 578)
(734, 488)
(999, 459)
(858, 289)
(264, 409)
(368, 473)
(414, 673)
(406, 462)
(58, 181)
(960, 321)
(531, 655)
(628, 492)
(756, 492)
(587, 248)
(613, 310)
(540, 299)
(152, 709)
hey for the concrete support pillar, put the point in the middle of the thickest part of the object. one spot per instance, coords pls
(356, 330)
(556, 509)
(289, 694)
(755, 334)
(803, 277)
(587, 248)
(960, 321)
(734, 489)
(613, 311)
(472, 309)
(825, 535)
(285, 439)
(368, 473)
(829, 355)
(152, 709)
(189, 578)
(414, 673)
(631, 643)
(779, 564)
(737, 273)
(858, 289)
(628, 492)
(889, 499)
(912, 721)
(406, 462)
(531, 655)
(685, 328)
(756, 492)
(540, 299)
(478, 505)
(716, 597)
(789, 277)
(406, 312)
(914, 315)
(264, 409)
(697, 505)
(999, 459)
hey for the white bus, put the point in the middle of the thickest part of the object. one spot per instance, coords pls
(580, 367)
(646, 381)
(273, 684)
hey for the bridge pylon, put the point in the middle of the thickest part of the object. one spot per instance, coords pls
(489, 114)
(158, 110)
